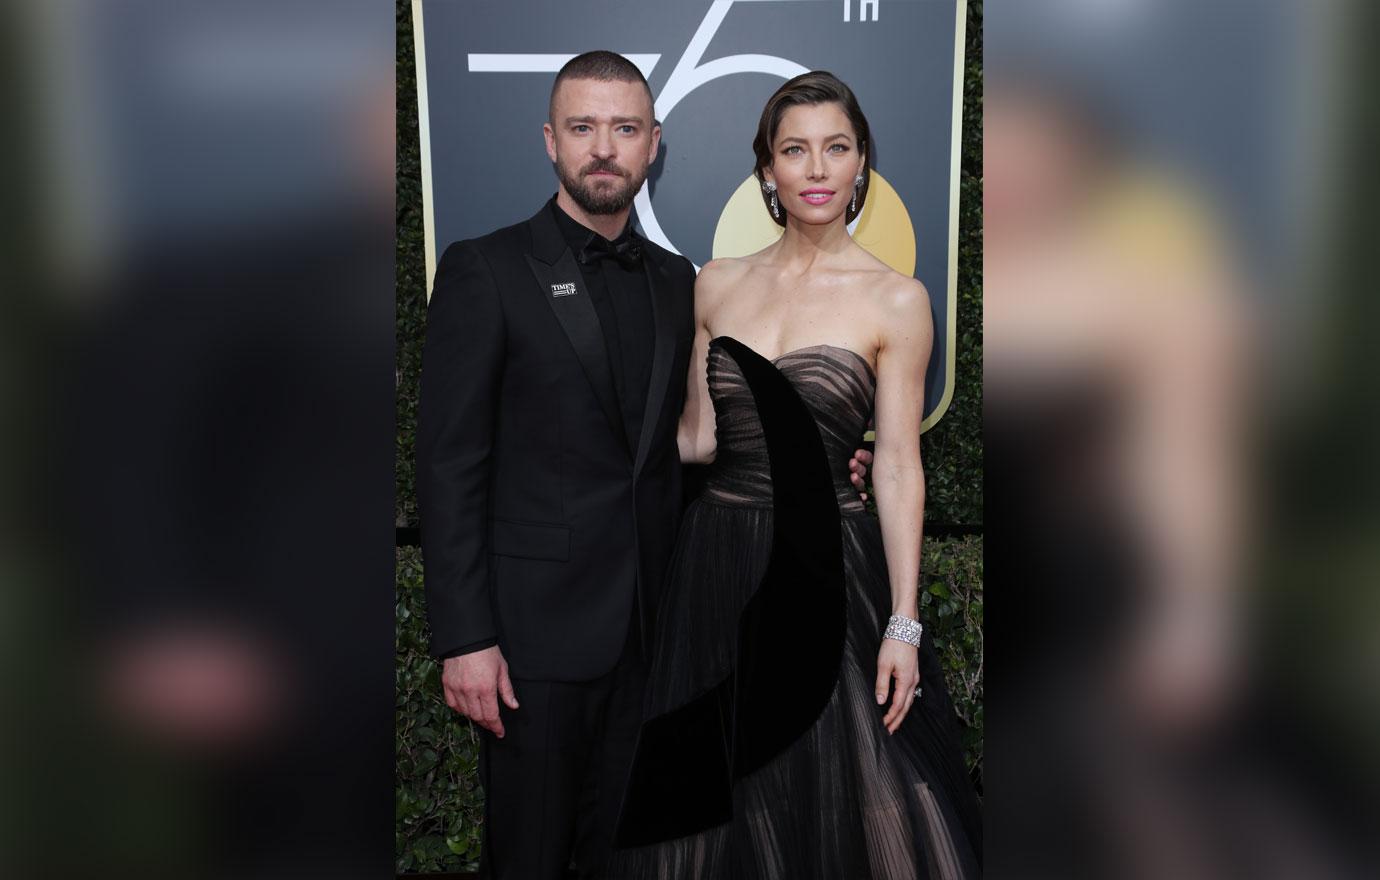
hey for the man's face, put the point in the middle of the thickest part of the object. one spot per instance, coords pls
(602, 138)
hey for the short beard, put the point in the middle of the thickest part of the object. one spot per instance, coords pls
(604, 201)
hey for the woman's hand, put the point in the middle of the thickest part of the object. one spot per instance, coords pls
(899, 661)
(857, 471)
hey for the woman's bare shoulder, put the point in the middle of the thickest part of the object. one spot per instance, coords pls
(888, 286)
(897, 308)
(719, 276)
(893, 296)
(902, 296)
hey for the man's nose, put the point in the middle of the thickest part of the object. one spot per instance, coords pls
(603, 144)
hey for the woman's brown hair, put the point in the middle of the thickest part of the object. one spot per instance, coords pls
(815, 87)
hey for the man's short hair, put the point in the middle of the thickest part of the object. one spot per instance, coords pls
(603, 66)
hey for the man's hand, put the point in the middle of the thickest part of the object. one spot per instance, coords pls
(474, 682)
(857, 469)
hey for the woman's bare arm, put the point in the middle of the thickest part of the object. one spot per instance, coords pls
(907, 336)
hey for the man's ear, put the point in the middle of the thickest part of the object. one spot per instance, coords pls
(550, 134)
(656, 142)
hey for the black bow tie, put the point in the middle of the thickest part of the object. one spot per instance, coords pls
(627, 252)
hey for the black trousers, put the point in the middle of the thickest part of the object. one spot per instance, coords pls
(554, 784)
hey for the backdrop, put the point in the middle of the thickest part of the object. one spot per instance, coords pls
(484, 73)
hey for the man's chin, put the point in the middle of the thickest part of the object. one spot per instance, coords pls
(604, 209)
(599, 203)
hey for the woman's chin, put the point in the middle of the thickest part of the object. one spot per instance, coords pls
(815, 217)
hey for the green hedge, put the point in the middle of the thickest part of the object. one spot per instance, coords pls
(953, 448)
(439, 801)
(440, 806)
(409, 270)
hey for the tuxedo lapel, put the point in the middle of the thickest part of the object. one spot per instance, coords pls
(663, 354)
(563, 287)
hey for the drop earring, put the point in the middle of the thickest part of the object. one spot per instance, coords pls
(857, 185)
(770, 187)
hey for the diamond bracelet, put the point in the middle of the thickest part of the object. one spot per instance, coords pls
(903, 629)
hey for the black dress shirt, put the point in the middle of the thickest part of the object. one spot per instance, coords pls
(622, 299)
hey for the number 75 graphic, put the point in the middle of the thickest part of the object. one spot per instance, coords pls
(689, 74)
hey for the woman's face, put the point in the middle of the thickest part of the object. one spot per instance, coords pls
(815, 159)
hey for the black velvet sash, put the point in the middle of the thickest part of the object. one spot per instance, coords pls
(790, 640)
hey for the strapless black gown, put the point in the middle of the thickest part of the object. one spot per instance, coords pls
(763, 754)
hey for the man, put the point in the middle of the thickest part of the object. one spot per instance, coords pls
(549, 479)
(548, 476)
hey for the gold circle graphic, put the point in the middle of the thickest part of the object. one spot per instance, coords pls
(884, 228)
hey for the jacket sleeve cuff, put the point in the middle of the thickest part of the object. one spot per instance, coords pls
(468, 648)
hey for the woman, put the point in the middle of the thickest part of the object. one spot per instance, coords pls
(785, 736)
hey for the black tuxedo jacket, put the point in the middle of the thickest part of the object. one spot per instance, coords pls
(539, 523)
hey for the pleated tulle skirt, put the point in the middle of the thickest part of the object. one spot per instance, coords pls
(844, 800)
